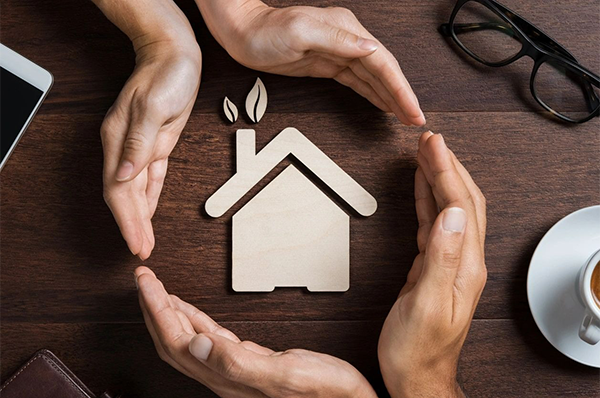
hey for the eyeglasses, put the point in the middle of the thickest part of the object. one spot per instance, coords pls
(496, 36)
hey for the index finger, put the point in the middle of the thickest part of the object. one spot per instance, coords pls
(385, 67)
(129, 206)
(239, 364)
(476, 194)
(174, 339)
(426, 208)
(381, 64)
(441, 173)
(165, 320)
(450, 190)
(201, 322)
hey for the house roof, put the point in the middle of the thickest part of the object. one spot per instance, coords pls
(290, 141)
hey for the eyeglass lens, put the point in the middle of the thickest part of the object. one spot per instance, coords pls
(485, 33)
(564, 91)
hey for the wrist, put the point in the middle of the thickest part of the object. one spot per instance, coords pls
(423, 390)
(423, 386)
(421, 381)
(228, 20)
(151, 23)
(166, 48)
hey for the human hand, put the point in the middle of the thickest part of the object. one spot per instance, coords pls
(194, 344)
(144, 124)
(311, 41)
(424, 332)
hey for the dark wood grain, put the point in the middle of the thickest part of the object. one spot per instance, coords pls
(91, 59)
(496, 351)
(66, 273)
(531, 178)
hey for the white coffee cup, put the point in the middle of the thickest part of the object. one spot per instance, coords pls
(589, 331)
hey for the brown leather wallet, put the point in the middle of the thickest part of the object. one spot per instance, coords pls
(45, 376)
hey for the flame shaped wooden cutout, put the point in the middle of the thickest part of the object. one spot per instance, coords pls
(256, 101)
(231, 111)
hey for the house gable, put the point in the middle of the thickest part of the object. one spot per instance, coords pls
(252, 168)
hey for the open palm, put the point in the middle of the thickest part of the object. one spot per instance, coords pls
(319, 42)
(138, 134)
(194, 344)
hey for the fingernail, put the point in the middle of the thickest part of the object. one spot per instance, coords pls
(429, 133)
(136, 282)
(423, 116)
(442, 137)
(454, 219)
(124, 171)
(367, 44)
(200, 347)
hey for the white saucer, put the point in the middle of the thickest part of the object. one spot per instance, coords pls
(552, 283)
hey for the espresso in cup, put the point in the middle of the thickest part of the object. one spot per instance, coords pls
(589, 290)
(595, 284)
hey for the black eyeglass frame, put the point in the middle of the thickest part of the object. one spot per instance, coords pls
(538, 46)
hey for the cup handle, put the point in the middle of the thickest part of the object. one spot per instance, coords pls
(589, 331)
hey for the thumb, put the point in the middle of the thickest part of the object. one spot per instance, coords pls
(444, 251)
(325, 38)
(232, 360)
(138, 146)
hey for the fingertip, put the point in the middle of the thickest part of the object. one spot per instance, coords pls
(140, 253)
(134, 246)
(145, 253)
(420, 121)
(200, 347)
(454, 220)
(423, 139)
(132, 250)
(142, 280)
(148, 247)
(367, 45)
(124, 171)
(434, 141)
(142, 269)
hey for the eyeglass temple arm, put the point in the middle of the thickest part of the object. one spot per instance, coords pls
(474, 27)
(536, 34)
(552, 45)
(591, 98)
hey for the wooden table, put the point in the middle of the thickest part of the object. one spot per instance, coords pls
(67, 276)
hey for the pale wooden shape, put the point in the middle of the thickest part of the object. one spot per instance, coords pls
(289, 141)
(231, 111)
(291, 234)
(256, 101)
(245, 149)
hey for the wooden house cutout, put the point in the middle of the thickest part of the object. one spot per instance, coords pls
(290, 233)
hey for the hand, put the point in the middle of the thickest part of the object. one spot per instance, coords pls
(144, 124)
(194, 344)
(310, 41)
(138, 135)
(424, 332)
(142, 127)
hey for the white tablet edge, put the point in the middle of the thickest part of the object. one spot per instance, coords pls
(25, 69)
(32, 74)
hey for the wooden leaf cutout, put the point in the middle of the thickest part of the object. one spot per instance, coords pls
(230, 110)
(256, 101)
